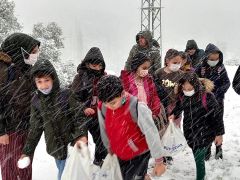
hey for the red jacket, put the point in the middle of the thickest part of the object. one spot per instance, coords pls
(125, 137)
(130, 86)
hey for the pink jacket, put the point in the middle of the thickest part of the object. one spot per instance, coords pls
(130, 86)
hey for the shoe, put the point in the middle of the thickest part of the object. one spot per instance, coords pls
(219, 152)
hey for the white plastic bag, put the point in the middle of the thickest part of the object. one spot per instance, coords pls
(110, 169)
(173, 140)
(78, 165)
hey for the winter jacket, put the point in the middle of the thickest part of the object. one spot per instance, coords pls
(150, 50)
(128, 137)
(217, 74)
(197, 57)
(84, 83)
(57, 114)
(165, 83)
(15, 84)
(201, 124)
(236, 81)
(130, 86)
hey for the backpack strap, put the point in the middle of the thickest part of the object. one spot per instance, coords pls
(204, 101)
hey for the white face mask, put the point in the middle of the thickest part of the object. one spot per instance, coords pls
(143, 73)
(46, 91)
(188, 93)
(174, 67)
(212, 63)
(32, 58)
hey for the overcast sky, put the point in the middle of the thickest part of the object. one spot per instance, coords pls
(112, 25)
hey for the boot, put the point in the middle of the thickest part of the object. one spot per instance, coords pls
(219, 153)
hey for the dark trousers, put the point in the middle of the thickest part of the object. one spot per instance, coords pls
(9, 156)
(135, 169)
(100, 151)
(199, 156)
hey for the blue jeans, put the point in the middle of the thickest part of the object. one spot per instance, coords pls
(60, 165)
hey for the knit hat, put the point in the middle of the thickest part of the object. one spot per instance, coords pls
(138, 60)
(109, 87)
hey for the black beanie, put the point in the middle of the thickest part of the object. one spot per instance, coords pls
(138, 60)
(109, 87)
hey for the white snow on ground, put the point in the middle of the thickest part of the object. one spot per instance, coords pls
(183, 167)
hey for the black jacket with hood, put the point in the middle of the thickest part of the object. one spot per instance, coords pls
(58, 114)
(15, 83)
(151, 51)
(197, 57)
(217, 74)
(84, 83)
(236, 81)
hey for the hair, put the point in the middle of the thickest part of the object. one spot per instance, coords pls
(41, 74)
(183, 55)
(138, 60)
(170, 54)
(193, 79)
(109, 87)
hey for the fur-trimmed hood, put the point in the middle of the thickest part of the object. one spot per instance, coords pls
(5, 58)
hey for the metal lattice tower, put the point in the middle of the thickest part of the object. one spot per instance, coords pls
(151, 19)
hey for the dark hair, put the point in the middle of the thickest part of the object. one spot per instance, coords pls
(170, 54)
(193, 79)
(138, 60)
(183, 55)
(40, 74)
(109, 87)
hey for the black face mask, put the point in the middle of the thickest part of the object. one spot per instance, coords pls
(94, 72)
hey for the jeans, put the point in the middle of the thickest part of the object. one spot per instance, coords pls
(60, 165)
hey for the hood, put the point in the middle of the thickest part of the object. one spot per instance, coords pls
(147, 35)
(93, 56)
(12, 47)
(207, 84)
(44, 65)
(191, 44)
(210, 49)
(5, 58)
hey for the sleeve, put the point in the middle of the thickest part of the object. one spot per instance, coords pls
(225, 83)
(216, 114)
(149, 129)
(156, 57)
(35, 132)
(129, 60)
(236, 81)
(79, 119)
(101, 120)
(177, 111)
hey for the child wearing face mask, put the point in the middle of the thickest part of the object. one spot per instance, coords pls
(166, 79)
(212, 68)
(55, 112)
(90, 70)
(201, 123)
(139, 83)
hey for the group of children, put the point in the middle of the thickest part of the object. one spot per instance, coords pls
(121, 113)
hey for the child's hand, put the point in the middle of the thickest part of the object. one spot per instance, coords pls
(218, 140)
(171, 118)
(24, 161)
(159, 169)
(89, 111)
(81, 140)
(4, 139)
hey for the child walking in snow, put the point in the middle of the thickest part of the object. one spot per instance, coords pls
(90, 70)
(55, 112)
(201, 124)
(138, 82)
(128, 130)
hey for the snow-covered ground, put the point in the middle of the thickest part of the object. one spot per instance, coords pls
(183, 167)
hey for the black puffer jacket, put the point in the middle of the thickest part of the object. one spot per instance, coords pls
(58, 114)
(201, 123)
(15, 92)
(217, 74)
